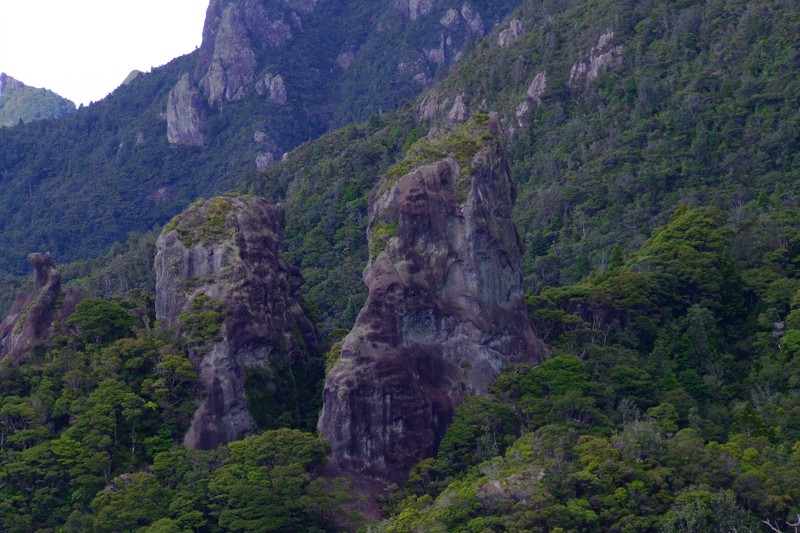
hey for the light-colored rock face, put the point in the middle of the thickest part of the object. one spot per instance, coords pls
(345, 60)
(233, 61)
(602, 55)
(185, 114)
(511, 34)
(301, 6)
(450, 19)
(428, 108)
(264, 160)
(533, 97)
(7, 83)
(273, 87)
(226, 253)
(437, 55)
(445, 312)
(414, 9)
(473, 19)
(458, 113)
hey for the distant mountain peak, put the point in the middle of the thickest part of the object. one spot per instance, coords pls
(20, 102)
(7, 83)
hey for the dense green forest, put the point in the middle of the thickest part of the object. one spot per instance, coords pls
(658, 208)
(89, 426)
(669, 403)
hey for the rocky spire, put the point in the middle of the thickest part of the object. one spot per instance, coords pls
(445, 309)
(33, 315)
(222, 284)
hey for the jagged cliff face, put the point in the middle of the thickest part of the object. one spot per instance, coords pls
(221, 259)
(315, 58)
(445, 312)
(33, 315)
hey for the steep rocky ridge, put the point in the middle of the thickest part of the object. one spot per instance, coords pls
(34, 314)
(252, 49)
(224, 287)
(445, 310)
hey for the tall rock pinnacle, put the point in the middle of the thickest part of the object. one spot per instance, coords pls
(223, 285)
(445, 309)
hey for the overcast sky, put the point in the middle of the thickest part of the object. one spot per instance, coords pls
(84, 49)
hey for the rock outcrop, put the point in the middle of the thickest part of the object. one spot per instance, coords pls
(533, 97)
(602, 55)
(511, 34)
(445, 309)
(185, 114)
(33, 315)
(414, 9)
(224, 287)
(458, 113)
(7, 83)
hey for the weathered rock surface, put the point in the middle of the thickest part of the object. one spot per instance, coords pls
(33, 315)
(232, 64)
(224, 254)
(445, 312)
(458, 113)
(414, 9)
(511, 34)
(7, 83)
(185, 114)
(533, 97)
(602, 55)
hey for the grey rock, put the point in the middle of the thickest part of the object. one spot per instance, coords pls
(227, 251)
(34, 314)
(185, 115)
(445, 312)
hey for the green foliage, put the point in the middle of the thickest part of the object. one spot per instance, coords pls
(26, 104)
(669, 404)
(133, 500)
(480, 430)
(203, 321)
(204, 222)
(100, 321)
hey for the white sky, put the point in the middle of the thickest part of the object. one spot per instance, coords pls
(84, 49)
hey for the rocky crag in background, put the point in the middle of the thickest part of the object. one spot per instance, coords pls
(445, 310)
(224, 287)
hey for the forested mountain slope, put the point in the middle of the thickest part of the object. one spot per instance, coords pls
(268, 76)
(654, 150)
(617, 113)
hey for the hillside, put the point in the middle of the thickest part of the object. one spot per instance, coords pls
(649, 151)
(20, 103)
(699, 110)
(267, 77)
